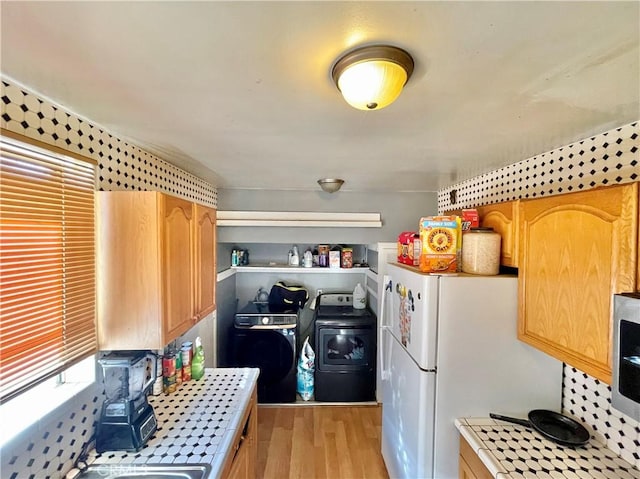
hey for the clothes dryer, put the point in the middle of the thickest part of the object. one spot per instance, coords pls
(267, 340)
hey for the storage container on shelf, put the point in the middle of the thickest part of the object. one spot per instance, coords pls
(481, 251)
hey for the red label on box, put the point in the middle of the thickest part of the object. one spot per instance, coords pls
(409, 248)
(470, 219)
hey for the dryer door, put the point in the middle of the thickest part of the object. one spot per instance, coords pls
(271, 350)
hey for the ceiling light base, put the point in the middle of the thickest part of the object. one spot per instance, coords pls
(330, 185)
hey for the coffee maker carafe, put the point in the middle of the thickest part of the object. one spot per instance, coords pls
(127, 421)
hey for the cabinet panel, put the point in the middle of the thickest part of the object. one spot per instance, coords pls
(178, 267)
(205, 260)
(470, 466)
(503, 218)
(244, 452)
(576, 251)
(129, 276)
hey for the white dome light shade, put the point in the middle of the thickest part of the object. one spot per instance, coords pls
(371, 78)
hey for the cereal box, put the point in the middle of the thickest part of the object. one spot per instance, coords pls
(440, 239)
(346, 260)
(470, 219)
(409, 248)
(334, 258)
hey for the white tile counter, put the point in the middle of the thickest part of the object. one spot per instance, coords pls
(510, 451)
(196, 423)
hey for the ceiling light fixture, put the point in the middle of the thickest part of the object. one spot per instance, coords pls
(330, 185)
(372, 77)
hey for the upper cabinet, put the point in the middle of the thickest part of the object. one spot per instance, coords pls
(156, 268)
(503, 218)
(176, 268)
(205, 259)
(576, 251)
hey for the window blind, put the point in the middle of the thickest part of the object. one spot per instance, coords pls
(47, 264)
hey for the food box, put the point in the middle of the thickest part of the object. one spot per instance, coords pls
(334, 259)
(409, 248)
(347, 258)
(470, 219)
(440, 238)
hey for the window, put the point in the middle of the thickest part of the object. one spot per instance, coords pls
(47, 263)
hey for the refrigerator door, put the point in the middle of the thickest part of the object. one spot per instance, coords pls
(408, 414)
(413, 316)
(482, 366)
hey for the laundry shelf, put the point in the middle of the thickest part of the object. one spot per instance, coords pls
(282, 268)
(298, 219)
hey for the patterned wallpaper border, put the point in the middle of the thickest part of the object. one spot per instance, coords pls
(610, 158)
(121, 166)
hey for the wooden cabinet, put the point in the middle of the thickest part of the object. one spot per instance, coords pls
(176, 232)
(156, 270)
(205, 260)
(576, 251)
(241, 464)
(503, 218)
(471, 467)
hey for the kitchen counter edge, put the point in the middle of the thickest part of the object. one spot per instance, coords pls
(487, 437)
(241, 380)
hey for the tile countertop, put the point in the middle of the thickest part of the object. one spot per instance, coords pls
(196, 423)
(511, 451)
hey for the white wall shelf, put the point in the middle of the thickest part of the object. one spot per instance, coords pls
(282, 268)
(298, 219)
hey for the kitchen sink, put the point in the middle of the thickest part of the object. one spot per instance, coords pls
(146, 471)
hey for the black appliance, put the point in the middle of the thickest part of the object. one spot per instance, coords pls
(266, 339)
(345, 343)
(625, 391)
(127, 421)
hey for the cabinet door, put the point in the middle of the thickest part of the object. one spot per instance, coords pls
(503, 218)
(576, 251)
(205, 260)
(470, 465)
(465, 470)
(242, 462)
(177, 250)
(129, 294)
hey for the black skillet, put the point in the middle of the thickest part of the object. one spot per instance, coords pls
(552, 425)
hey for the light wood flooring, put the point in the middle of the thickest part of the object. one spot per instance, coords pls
(317, 442)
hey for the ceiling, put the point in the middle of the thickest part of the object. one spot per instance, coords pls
(240, 93)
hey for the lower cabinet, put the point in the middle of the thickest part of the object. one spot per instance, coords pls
(242, 461)
(471, 467)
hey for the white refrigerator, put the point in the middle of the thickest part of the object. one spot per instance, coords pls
(448, 349)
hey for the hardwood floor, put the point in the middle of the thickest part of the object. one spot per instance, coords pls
(336, 442)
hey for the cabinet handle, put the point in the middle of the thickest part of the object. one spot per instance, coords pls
(238, 446)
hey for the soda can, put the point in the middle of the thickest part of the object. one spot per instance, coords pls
(169, 384)
(168, 365)
(186, 373)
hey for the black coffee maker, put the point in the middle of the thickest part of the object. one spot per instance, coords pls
(127, 421)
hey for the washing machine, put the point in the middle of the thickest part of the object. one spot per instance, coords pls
(266, 340)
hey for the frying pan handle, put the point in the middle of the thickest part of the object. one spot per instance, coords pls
(515, 420)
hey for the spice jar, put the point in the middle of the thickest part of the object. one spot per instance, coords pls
(481, 251)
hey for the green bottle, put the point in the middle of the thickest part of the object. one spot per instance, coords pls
(197, 364)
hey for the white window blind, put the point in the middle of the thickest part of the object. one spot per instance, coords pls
(47, 264)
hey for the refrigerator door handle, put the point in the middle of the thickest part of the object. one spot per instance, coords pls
(384, 369)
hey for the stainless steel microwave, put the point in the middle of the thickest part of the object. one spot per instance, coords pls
(625, 394)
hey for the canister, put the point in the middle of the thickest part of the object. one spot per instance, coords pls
(481, 251)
